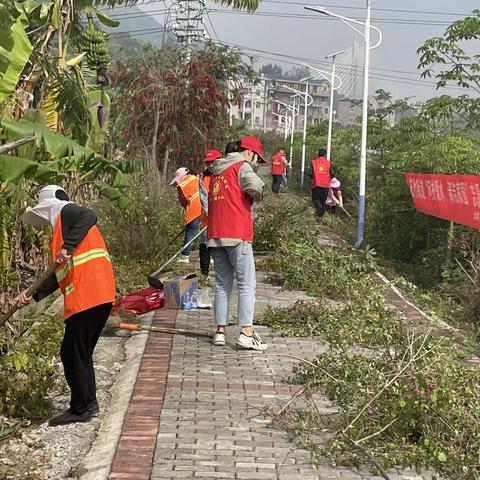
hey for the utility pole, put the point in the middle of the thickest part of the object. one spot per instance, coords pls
(252, 110)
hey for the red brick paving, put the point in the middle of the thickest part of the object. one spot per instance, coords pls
(134, 456)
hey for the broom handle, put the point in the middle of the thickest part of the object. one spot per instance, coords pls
(176, 331)
(30, 291)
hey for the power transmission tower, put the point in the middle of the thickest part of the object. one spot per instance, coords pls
(186, 22)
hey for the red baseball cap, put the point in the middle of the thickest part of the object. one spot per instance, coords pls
(212, 155)
(255, 145)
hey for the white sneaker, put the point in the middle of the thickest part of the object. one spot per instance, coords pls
(183, 259)
(219, 339)
(251, 343)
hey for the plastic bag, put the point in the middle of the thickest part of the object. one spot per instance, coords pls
(203, 298)
(140, 302)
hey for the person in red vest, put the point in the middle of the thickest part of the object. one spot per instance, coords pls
(205, 184)
(188, 190)
(85, 276)
(235, 186)
(321, 174)
(279, 169)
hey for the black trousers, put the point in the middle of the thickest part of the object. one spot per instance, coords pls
(276, 183)
(319, 199)
(82, 331)
(204, 259)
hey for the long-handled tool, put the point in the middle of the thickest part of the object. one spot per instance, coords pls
(153, 281)
(30, 291)
(175, 331)
(177, 236)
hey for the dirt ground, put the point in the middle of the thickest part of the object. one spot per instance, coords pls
(40, 452)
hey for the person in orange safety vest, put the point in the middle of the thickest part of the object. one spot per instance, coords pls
(85, 277)
(188, 189)
(205, 182)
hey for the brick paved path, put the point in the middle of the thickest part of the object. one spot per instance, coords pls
(195, 412)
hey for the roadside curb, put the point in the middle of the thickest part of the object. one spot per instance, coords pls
(98, 461)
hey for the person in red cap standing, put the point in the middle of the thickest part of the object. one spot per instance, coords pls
(205, 183)
(279, 170)
(235, 186)
(320, 173)
(188, 189)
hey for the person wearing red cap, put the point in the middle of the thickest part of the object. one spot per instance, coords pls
(205, 183)
(188, 189)
(235, 186)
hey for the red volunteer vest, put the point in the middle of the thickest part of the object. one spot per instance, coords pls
(321, 173)
(229, 210)
(86, 280)
(278, 167)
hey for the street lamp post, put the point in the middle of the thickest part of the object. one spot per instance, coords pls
(363, 145)
(308, 100)
(333, 87)
(330, 112)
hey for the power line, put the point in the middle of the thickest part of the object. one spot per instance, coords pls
(394, 21)
(393, 10)
(213, 27)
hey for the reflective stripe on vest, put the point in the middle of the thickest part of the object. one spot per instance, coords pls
(321, 173)
(86, 280)
(79, 259)
(229, 210)
(190, 188)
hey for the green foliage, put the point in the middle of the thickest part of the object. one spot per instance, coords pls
(412, 405)
(137, 233)
(29, 370)
(15, 48)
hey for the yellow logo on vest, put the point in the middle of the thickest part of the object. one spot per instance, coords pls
(321, 168)
(217, 186)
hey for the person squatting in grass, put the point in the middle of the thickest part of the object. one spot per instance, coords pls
(85, 277)
(188, 190)
(235, 186)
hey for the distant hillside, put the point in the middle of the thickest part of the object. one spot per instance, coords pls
(136, 30)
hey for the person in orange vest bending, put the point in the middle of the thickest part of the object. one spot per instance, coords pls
(205, 183)
(85, 277)
(279, 169)
(235, 186)
(188, 189)
(321, 174)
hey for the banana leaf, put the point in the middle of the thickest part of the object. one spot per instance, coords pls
(15, 50)
(13, 169)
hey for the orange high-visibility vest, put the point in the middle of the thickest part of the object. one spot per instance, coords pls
(207, 181)
(190, 187)
(86, 280)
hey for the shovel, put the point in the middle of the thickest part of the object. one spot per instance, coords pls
(153, 281)
(29, 292)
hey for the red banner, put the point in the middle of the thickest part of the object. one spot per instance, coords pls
(451, 197)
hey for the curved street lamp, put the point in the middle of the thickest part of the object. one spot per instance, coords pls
(363, 147)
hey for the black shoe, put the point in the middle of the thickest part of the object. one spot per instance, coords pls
(93, 408)
(68, 417)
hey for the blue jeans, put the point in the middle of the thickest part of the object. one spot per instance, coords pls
(191, 229)
(235, 261)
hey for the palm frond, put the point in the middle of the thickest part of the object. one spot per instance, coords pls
(249, 5)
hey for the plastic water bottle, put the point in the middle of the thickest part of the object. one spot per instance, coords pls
(194, 300)
(186, 303)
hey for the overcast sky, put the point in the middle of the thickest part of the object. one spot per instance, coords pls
(318, 36)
